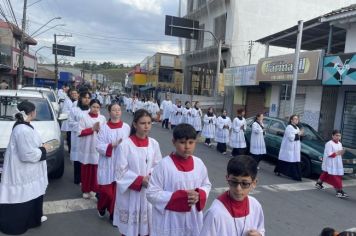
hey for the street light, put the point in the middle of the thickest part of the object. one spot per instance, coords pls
(55, 18)
(34, 64)
(48, 29)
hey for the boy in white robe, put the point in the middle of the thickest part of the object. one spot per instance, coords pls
(187, 114)
(166, 108)
(332, 165)
(109, 137)
(178, 188)
(222, 132)
(208, 131)
(235, 212)
(176, 114)
(135, 158)
(196, 117)
(257, 142)
(237, 138)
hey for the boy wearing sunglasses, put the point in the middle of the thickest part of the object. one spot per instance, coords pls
(235, 212)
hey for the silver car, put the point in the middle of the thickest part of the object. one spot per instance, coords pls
(46, 123)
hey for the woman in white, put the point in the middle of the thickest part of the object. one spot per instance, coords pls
(257, 142)
(69, 103)
(196, 117)
(222, 133)
(89, 127)
(289, 153)
(208, 131)
(109, 137)
(332, 166)
(237, 138)
(24, 179)
(76, 114)
(135, 158)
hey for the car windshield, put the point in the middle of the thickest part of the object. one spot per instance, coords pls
(50, 96)
(8, 107)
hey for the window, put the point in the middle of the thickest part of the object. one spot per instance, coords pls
(165, 75)
(201, 3)
(276, 128)
(220, 27)
(285, 92)
(200, 41)
(190, 5)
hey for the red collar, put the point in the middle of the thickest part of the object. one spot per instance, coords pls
(139, 142)
(236, 209)
(334, 141)
(93, 115)
(181, 163)
(115, 125)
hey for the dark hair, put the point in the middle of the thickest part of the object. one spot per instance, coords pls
(138, 115)
(187, 102)
(25, 106)
(327, 232)
(71, 90)
(93, 101)
(113, 104)
(257, 115)
(291, 118)
(239, 111)
(184, 131)
(82, 94)
(242, 165)
(336, 131)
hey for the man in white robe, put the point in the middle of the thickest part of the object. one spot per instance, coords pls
(166, 107)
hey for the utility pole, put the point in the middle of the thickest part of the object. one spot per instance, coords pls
(56, 59)
(296, 66)
(22, 47)
(250, 45)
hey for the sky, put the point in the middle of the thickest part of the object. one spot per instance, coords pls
(120, 31)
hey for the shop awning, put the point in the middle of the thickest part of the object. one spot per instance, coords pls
(146, 88)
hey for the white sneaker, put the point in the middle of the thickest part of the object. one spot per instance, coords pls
(43, 219)
(93, 194)
(86, 195)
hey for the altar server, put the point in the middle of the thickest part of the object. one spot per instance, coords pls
(289, 153)
(196, 117)
(178, 188)
(109, 137)
(237, 138)
(68, 104)
(176, 114)
(166, 107)
(208, 131)
(135, 158)
(187, 113)
(222, 132)
(257, 142)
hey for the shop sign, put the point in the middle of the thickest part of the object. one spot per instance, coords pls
(240, 76)
(280, 68)
(339, 69)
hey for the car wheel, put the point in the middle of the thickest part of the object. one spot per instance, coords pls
(306, 166)
(58, 173)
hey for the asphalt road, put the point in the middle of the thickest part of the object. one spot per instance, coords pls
(290, 208)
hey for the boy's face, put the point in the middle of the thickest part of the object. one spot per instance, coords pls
(240, 186)
(184, 147)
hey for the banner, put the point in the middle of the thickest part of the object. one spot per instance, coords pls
(240, 76)
(339, 69)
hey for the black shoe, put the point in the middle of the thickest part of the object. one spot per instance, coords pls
(101, 214)
(341, 194)
(319, 186)
(277, 173)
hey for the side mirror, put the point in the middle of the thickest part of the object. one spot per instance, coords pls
(62, 117)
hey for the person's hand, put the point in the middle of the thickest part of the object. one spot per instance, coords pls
(340, 152)
(253, 232)
(116, 143)
(242, 127)
(47, 147)
(193, 197)
(96, 127)
(301, 132)
(145, 181)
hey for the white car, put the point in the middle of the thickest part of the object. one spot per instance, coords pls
(49, 93)
(46, 123)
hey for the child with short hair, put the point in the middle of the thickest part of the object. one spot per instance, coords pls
(235, 212)
(178, 188)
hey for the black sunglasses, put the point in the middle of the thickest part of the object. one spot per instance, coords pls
(234, 184)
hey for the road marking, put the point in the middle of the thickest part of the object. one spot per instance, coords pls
(68, 205)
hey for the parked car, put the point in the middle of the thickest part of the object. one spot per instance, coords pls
(312, 145)
(45, 123)
(49, 93)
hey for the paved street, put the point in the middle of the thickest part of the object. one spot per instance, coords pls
(290, 208)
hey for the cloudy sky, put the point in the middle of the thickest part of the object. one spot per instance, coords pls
(121, 31)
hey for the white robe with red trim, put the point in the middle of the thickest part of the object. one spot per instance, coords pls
(165, 180)
(219, 222)
(133, 212)
(332, 164)
(105, 138)
(87, 144)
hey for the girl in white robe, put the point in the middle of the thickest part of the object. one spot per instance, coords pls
(257, 142)
(173, 181)
(24, 179)
(237, 138)
(89, 127)
(76, 114)
(135, 158)
(222, 133)
(155, 111)
(196, 117)
(69, 103)
(332, 165)
(209, 122)
(235, 212)
(109, 137)
(289, 153)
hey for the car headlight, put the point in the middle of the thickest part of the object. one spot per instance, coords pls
(53, 144)
(349, 161)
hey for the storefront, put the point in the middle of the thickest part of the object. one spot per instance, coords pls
(275, 74)
(339, 75)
